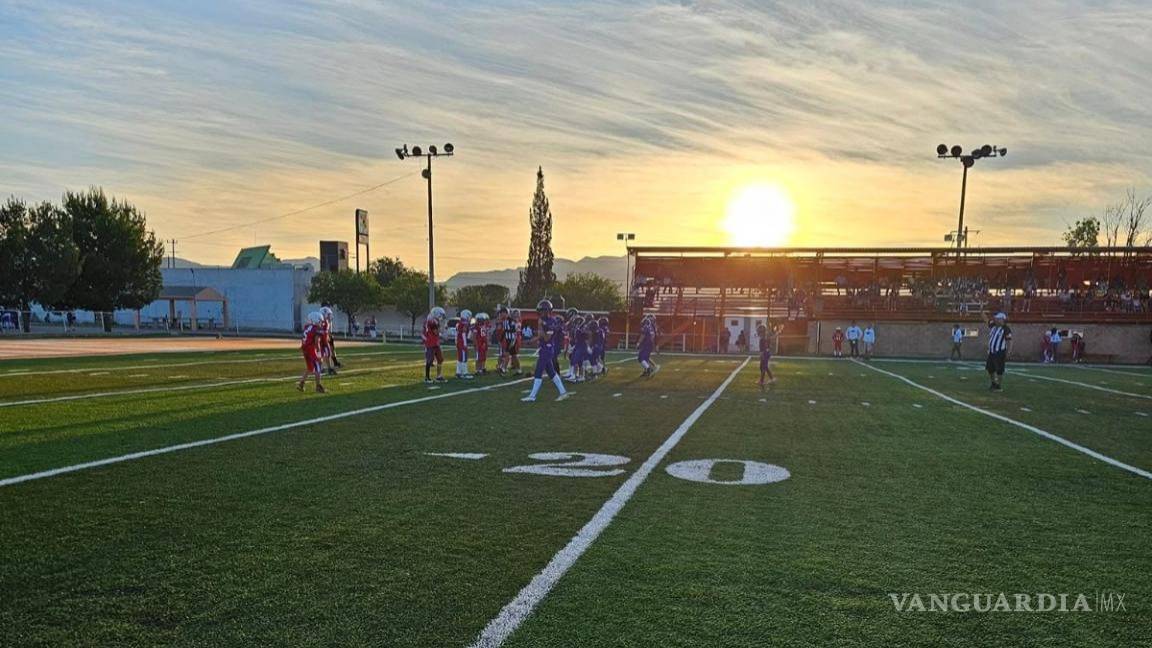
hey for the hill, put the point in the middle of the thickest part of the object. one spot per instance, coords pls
(612, 267)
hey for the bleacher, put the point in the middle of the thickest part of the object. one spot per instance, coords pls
(788, 284)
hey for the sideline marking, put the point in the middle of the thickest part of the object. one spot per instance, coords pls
(241, 435)
(153, 390)
(519, 608)
(1035, 430)
(16, 373)
(1089, 386)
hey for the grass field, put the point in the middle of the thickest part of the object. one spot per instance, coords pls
(198, 499)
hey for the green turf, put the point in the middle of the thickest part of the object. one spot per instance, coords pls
(348, 533)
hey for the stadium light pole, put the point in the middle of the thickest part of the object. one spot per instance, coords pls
(403, 153)
(967, 159)
(626, 237)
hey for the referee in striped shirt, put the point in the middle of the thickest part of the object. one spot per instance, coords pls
(999, 341)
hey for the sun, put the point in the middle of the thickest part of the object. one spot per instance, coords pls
(760, 215)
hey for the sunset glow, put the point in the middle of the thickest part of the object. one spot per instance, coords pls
(760, 215)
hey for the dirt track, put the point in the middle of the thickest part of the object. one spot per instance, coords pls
(16, 348)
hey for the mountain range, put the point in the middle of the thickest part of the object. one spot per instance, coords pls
(611, 267)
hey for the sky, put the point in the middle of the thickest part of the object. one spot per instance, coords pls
(647, 117)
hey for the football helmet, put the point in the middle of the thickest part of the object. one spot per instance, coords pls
(544, 306)
(437, 313)
(466, 315)
(482, 317)
(314, 317)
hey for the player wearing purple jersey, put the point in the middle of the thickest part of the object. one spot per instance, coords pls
(578, 353)
(767, 335)
(646, 345)
(551, 334)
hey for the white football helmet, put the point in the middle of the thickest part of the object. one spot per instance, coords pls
(314, 317)
(437, 313)
(326, 312)
(466, 315)
(482, 317)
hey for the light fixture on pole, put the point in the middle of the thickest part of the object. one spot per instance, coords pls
(967, 159)
(626, 237)
(403, 153)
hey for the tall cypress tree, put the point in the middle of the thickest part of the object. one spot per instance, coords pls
(537, 277)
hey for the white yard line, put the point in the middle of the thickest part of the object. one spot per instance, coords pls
(1035, 430)
(1132, 374)
(19, 373)
(153, 390)
(1088, 385)
(521, 607)
(242, 435)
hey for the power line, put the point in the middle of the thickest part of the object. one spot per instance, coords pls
(301, 211)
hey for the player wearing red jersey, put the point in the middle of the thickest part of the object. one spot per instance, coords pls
(310, 348)
(327, 343)
(463, 327)
(838, 343)
(480, 333)
(432, 353)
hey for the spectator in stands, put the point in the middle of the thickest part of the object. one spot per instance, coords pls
(869, 338)
(957, 341)
(853, 334)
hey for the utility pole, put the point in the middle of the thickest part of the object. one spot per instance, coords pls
(432, 152)
(626, 237)
(171, 253)
(957, 152)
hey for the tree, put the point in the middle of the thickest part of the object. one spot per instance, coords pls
(409, 294)
(349, 291)
(54, 257)
(538, 276)
(588, 291)
(119, 258)
(1084, 233)
(386, 270)
(1125, 223)
(479, 298)
(14, 234)
(37, 255)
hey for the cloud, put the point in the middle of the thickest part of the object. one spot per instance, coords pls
(646, 116)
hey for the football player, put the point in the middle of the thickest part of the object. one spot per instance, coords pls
(325, 340)
(767, 335)
(480, 333)
(432, 353)
(551, 333)
(515, 337)
(310, 348)
(463, 325)
(646, 345)
(600, 346)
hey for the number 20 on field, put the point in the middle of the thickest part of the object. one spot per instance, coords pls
(588, 464)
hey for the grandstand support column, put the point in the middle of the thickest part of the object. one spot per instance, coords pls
(720, 323)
